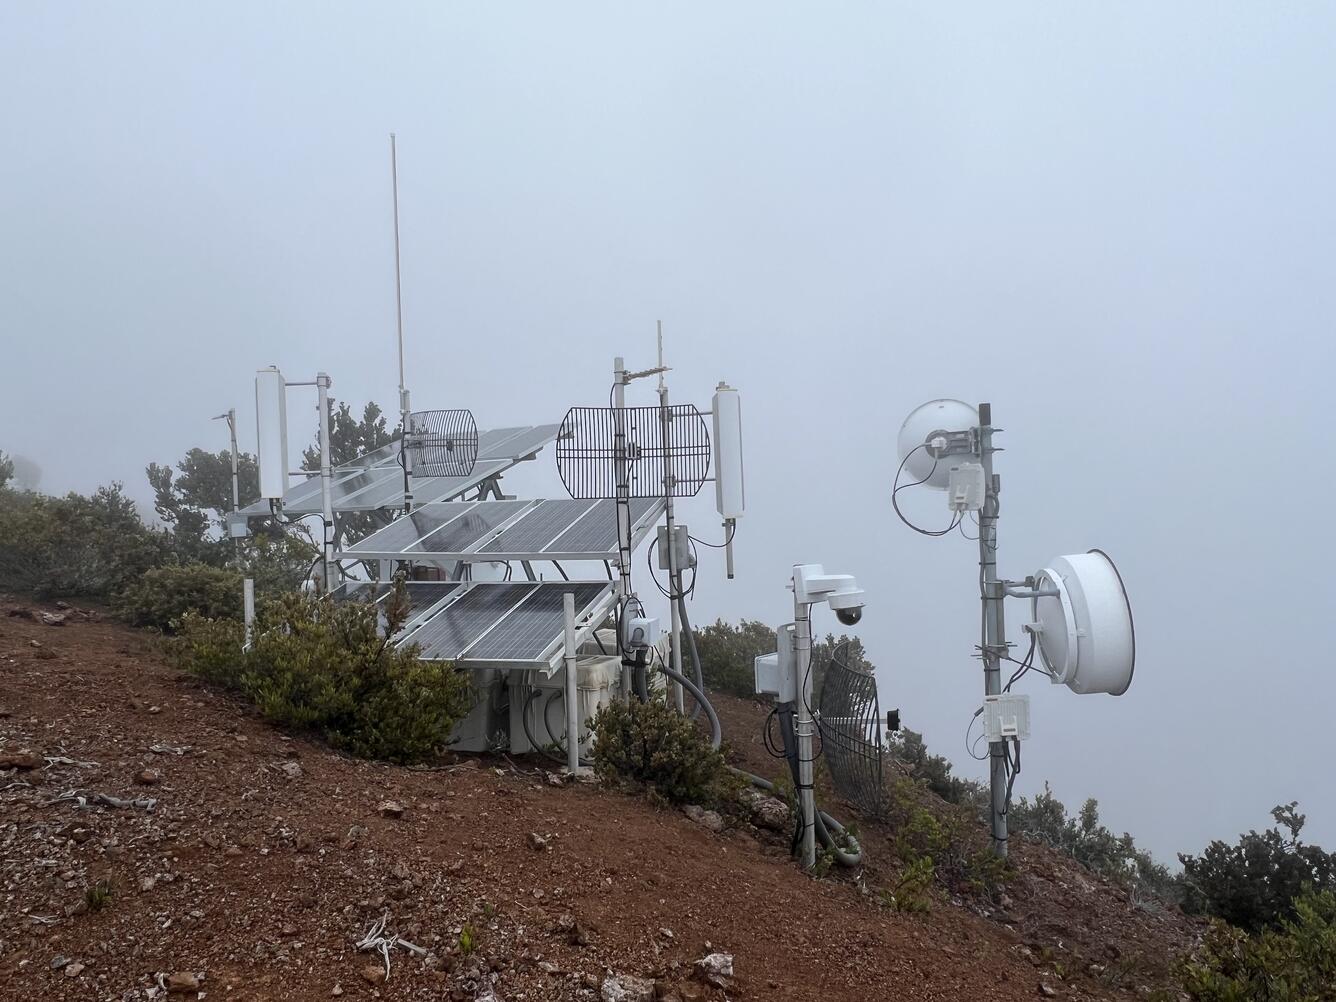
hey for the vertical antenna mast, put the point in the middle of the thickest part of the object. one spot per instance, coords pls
(399, 324)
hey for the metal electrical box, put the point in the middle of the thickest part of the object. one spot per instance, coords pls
(681, 548)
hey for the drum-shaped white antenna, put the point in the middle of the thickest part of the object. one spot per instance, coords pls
(932, 420)
(1086, 637)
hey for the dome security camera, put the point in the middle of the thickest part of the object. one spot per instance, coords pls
(849, 616)
(847, 603)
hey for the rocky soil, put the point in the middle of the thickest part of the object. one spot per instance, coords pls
(158, 841)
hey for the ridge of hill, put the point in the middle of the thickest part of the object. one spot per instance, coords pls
(264, 859)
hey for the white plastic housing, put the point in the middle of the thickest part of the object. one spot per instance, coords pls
(729, 495)
(919, 428)
(1006, 716)
(641, 632)
(271, 429)
(1086, 637)
(775, 675)
(965, 487)
(811, 584)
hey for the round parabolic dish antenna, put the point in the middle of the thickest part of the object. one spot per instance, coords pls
(1086, 638)
(924, 424)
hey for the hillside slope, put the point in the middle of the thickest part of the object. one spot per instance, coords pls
(264, 859)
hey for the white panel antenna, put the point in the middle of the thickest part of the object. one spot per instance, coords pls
(729, 493)
(271, 425)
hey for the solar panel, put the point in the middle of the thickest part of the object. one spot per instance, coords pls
(537, 527)
(403, 532)
(421, 594)
(480, 520)
(375, 480)
(529, 630)
(449, 633)
(597, 531)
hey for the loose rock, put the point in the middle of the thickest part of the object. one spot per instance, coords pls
(704, 818)
(391, 809)
(627, 988)
(373, 974)
(184, 982)
(715, 969)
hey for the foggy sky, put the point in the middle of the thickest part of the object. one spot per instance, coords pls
(1115, 222)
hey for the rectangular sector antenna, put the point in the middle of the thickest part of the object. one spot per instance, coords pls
(271, 425)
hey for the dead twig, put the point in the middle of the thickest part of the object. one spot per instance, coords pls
(377, 940)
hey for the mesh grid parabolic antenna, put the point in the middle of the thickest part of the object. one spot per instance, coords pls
(850, 724)
(660, 451)
(442, 443)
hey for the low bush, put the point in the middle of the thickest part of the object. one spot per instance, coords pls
(947, 845)
(328, 667)
(165, 594)
(1082, 836)
(1293, 962)
(653, 745)
(80, 546)
(1255, 883)
(934, 771)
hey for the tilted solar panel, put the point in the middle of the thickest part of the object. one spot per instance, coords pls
(450, 632)
(537, 527)
(529, 630)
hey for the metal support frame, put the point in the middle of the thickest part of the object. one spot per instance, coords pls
(231, 418)
(804, 727)
(674, 572)
(323, 383)
(572, 689)
(993, 642)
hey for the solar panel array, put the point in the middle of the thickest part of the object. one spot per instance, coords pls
(503, 622)
(421, 595)
(507, 530)
(375, 480)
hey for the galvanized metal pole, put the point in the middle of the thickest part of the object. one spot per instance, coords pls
(248, 610)
(993, 644)
(674, 572)
(623, 503)
(572, 688)
(404, 406)
(236, 476)
(323, 383)
(803, 726)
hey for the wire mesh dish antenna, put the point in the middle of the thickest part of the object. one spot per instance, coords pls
(442, 443)
(850, 724)
(659, 451)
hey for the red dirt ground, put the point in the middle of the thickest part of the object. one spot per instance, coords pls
(261, 882)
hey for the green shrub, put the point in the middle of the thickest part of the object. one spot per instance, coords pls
(165, 594)
(1093, 845)
(1255, 883)
(1293, 962)
(948, 843)
(934, 771)
(654, 745)
(327, 667)
(75, 546)
(277, 562)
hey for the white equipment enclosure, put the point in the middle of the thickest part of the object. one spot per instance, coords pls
(1085, 631)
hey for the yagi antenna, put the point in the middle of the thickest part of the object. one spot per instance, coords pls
(1081, 620)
